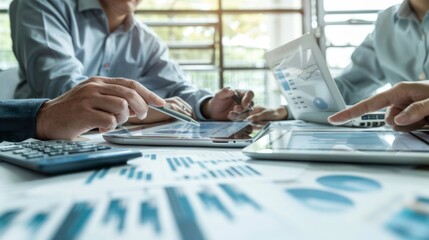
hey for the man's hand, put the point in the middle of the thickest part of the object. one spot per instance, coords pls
(222, 106)
(262, 114)
(174, 103)
(95, 103)
(408, 106)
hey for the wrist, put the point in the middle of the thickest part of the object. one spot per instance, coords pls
(41, 119)
(205, 108)
(282, 110)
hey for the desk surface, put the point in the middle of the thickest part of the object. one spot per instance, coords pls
(177, 193)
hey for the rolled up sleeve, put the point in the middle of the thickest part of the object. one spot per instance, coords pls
(18, 119)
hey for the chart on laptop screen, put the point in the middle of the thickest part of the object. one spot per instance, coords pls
(302, 83)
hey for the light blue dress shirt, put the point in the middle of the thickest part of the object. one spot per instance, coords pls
(60, 43)
(396, 51)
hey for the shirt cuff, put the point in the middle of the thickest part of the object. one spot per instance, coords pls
(198, 112)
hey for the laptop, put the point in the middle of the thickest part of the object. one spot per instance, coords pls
(376, 145)
(178, 133)
(306, 83)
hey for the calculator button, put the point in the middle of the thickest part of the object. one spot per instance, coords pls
(10, 148)
(81, 151)
(55, 154)
(38, 155)
(103, 147)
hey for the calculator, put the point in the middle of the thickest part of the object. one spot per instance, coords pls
(55, 157)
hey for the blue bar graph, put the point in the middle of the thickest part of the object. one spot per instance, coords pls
(210, 168)
(184, 215)
(171, 164)
(149, 215)
(152, 157)
(139, 175)
(185, 163)
(239, 197)
(37, 221)
(6, 219)
(75, 221)
(412, 221)
(221, 173)
(190, 160)
(131, 172)
(116, 211)
(176, 161)
(229, 172)
(103, 172)
(149, 177)
(201, 165)
(236, 171)
(213, 174)
(123, 171)
(91, 177)
(211, 201)
(253, 170)
(244, 170)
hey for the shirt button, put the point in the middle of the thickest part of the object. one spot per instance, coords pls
(422, 76)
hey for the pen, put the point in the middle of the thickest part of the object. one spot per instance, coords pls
(237, 99)
(176, 115)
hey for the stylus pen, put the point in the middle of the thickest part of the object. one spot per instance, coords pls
(237, 99)
(176, 115)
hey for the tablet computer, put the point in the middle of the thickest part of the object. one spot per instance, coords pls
(208, 134)
(342, 145)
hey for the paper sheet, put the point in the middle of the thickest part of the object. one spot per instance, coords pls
(331, 206)
(160, 168)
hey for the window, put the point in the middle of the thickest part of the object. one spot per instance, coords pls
(343, 25)
(7, 59)
(221, 43)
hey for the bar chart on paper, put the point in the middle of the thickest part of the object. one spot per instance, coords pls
(165, 168)
(155, 213)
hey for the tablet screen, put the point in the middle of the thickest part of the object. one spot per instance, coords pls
(207, 130)
(348, 140)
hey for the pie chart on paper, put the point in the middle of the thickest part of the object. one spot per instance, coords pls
(320, 200)
(350, 183)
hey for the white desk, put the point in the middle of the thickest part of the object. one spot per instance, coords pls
(313, 202)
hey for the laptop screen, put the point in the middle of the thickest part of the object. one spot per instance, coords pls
(303, 84)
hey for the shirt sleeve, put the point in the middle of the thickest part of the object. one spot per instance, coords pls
(18, 119)
(43, 46)
(165, 78)
(364, 75)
